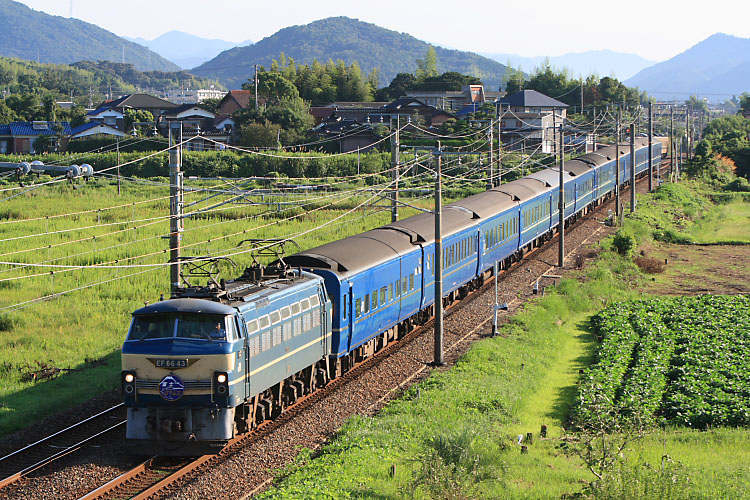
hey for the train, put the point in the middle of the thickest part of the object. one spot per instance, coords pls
(214, 361)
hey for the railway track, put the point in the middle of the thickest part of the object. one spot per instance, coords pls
(15, 466)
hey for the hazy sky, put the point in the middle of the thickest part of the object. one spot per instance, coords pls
(654, 29)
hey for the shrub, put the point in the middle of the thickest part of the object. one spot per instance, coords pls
(624, 243)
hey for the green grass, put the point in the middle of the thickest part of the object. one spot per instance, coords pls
(724, 224)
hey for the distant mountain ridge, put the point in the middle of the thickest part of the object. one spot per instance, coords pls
(35, 36)
(718, 67)
(186, 50)
(350, 40)
(599, 62)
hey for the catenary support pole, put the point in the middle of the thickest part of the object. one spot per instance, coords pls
(632, 168)
(561, 205)
(438, 361)
(650, 147)
(617, 166)
(175, 208)
(395, 159)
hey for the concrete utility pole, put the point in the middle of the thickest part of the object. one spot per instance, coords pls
(650, 147)
(632, 168)
(499, 154)
(671, 141)
(561, 206)
(688, 132)
(492, 158)
(617, 165)
(438, 361)
(175, 208)
(118, 165)
(395, 146)
(256, 86)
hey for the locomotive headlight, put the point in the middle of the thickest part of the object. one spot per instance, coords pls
(128, 382)
(221, 384)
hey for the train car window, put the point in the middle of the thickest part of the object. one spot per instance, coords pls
(264, 321)
(374, 300)
(405, 284)
(358, 307)
(275, 317)
(346, 306)
(305, 304)
(252, 326)
(314, 301)
(391, 292)
(397, 285)
(383, 295)
(411, 281)
(286, 330)
(367, 303)
(286, 313)
(296, 308)
(276, 334)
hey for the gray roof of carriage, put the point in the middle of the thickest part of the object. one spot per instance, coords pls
(487, 203)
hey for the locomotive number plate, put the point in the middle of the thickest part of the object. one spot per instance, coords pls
(170, 363)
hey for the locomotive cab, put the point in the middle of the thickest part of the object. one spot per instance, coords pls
(183, 367)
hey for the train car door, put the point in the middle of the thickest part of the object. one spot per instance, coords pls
(349, 314)
(478, 253)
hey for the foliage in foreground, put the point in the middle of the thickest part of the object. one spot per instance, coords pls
(683, 359)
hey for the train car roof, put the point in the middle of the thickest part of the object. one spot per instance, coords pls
(550, 176)
(596, 158)
(353, 254)
(577, 167)
(487, 203)
(522, 189)
(421, 227)
(185, 306)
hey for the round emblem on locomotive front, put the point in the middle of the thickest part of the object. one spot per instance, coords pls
(171, 387)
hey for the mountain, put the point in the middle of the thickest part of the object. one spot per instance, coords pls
(599, 62)
(186, 50)
(718, 67)
(36, 36)
(350, 40)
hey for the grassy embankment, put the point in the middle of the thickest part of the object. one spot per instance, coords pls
(81, 332)
(455, 435)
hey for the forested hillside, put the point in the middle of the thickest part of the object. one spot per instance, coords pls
(348, 40)
(29, 34)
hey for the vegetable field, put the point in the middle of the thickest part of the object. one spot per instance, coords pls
(682, 360)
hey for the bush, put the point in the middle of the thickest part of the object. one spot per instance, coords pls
(624, 243)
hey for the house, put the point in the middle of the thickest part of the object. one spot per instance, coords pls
(350, 134)
(195, 96)
(414, 110)
(235, 100)
(112, 113)
(455, 101)
(195, 121)
(527, 121)
(19, 137)
(95, 128)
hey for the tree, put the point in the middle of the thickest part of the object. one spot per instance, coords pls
(50, 108)
(427, 67)
(694, 104)
(745, 102)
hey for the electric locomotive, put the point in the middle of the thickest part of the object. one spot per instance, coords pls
(215, 360)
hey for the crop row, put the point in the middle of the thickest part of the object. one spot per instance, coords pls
(684, 360)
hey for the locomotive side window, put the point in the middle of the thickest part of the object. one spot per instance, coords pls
(285, 312)
(296, 308)
(305, 304)
(275, 317)
(264, 321)
(252, 326)
(314, 301)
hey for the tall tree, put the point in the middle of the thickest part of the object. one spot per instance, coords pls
(427, 67)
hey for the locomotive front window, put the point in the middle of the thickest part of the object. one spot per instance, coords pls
(191, 326)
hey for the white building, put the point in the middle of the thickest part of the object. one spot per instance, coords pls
(188, 96)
